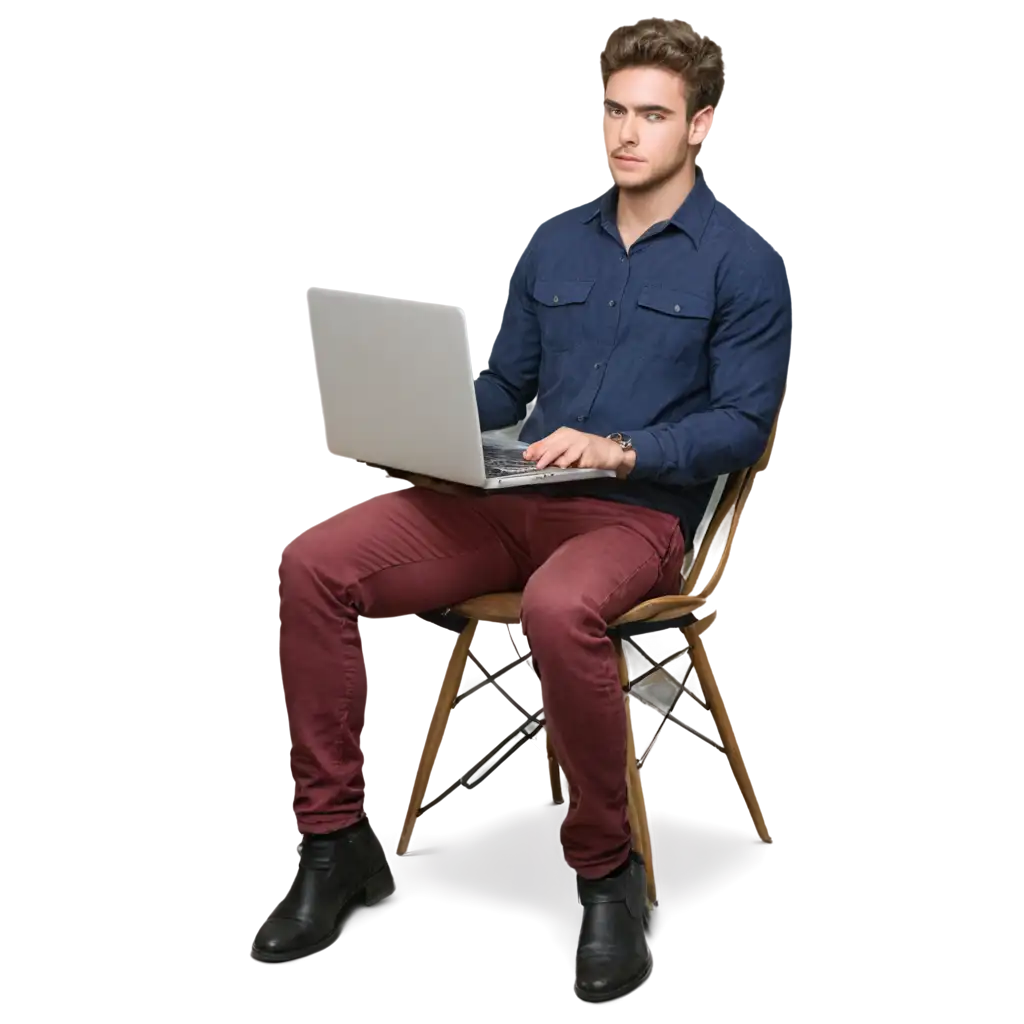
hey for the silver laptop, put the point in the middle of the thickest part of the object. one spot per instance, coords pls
(396, 385)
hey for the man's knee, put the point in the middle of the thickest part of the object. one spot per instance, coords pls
(305, 556)
(328, 550)
(552, 612)
(298, 555)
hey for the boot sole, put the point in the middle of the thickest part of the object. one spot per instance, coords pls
(378, 887)
(601, 997)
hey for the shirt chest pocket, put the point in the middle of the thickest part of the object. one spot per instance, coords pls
(562, 311)
(672, 324)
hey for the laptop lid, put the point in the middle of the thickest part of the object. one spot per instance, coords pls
(396, 383)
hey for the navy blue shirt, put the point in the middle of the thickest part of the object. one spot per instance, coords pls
(682, 342)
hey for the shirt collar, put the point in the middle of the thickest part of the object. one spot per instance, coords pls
(691, 217)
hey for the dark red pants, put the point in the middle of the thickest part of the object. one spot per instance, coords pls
(579, 561)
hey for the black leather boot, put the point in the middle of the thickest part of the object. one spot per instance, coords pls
(612, 957)
(335, 871)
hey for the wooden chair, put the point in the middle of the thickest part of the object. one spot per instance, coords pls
(654, 687)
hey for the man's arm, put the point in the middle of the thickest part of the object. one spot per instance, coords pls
(749, 358)
(509, 384)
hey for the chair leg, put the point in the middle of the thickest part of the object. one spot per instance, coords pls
(637, 810)
(554, 778)
(449, 690)
(714, 701)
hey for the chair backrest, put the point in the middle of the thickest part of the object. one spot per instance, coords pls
(713, 539)
(698, 547)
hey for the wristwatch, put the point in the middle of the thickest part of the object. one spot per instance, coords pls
(624, 441)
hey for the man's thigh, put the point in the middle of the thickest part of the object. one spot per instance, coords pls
(413, 550)
(603, 556)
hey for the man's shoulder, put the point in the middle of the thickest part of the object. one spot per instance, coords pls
(567, 222)
(738, 241)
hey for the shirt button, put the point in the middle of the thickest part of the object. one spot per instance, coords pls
(611, 302)
(580, 419)
(597, 366)
(556, 298)
(676, 308)
(621, 258)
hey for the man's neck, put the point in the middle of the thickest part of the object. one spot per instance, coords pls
(639, 210)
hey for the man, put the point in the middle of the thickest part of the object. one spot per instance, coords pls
(654, 314)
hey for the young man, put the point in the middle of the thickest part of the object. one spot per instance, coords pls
(653, 313)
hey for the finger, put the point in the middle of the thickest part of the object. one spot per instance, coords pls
(534, 451)
(571, 456)
(550, 455)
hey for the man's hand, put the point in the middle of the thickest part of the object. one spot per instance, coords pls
(567, 447)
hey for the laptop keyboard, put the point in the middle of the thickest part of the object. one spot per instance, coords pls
(500, 461)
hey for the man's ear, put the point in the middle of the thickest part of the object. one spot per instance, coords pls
(700, 125)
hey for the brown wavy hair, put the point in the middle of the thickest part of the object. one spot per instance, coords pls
(655, 42)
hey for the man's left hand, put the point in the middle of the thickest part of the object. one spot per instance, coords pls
(567, 447)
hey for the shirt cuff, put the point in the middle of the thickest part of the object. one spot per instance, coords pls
(649, 458)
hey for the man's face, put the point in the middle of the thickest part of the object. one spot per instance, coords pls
(645, 117)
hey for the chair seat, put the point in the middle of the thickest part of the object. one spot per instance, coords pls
(505, 606)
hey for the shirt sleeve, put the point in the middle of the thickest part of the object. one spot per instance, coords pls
(509, 383)
(748, 362)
